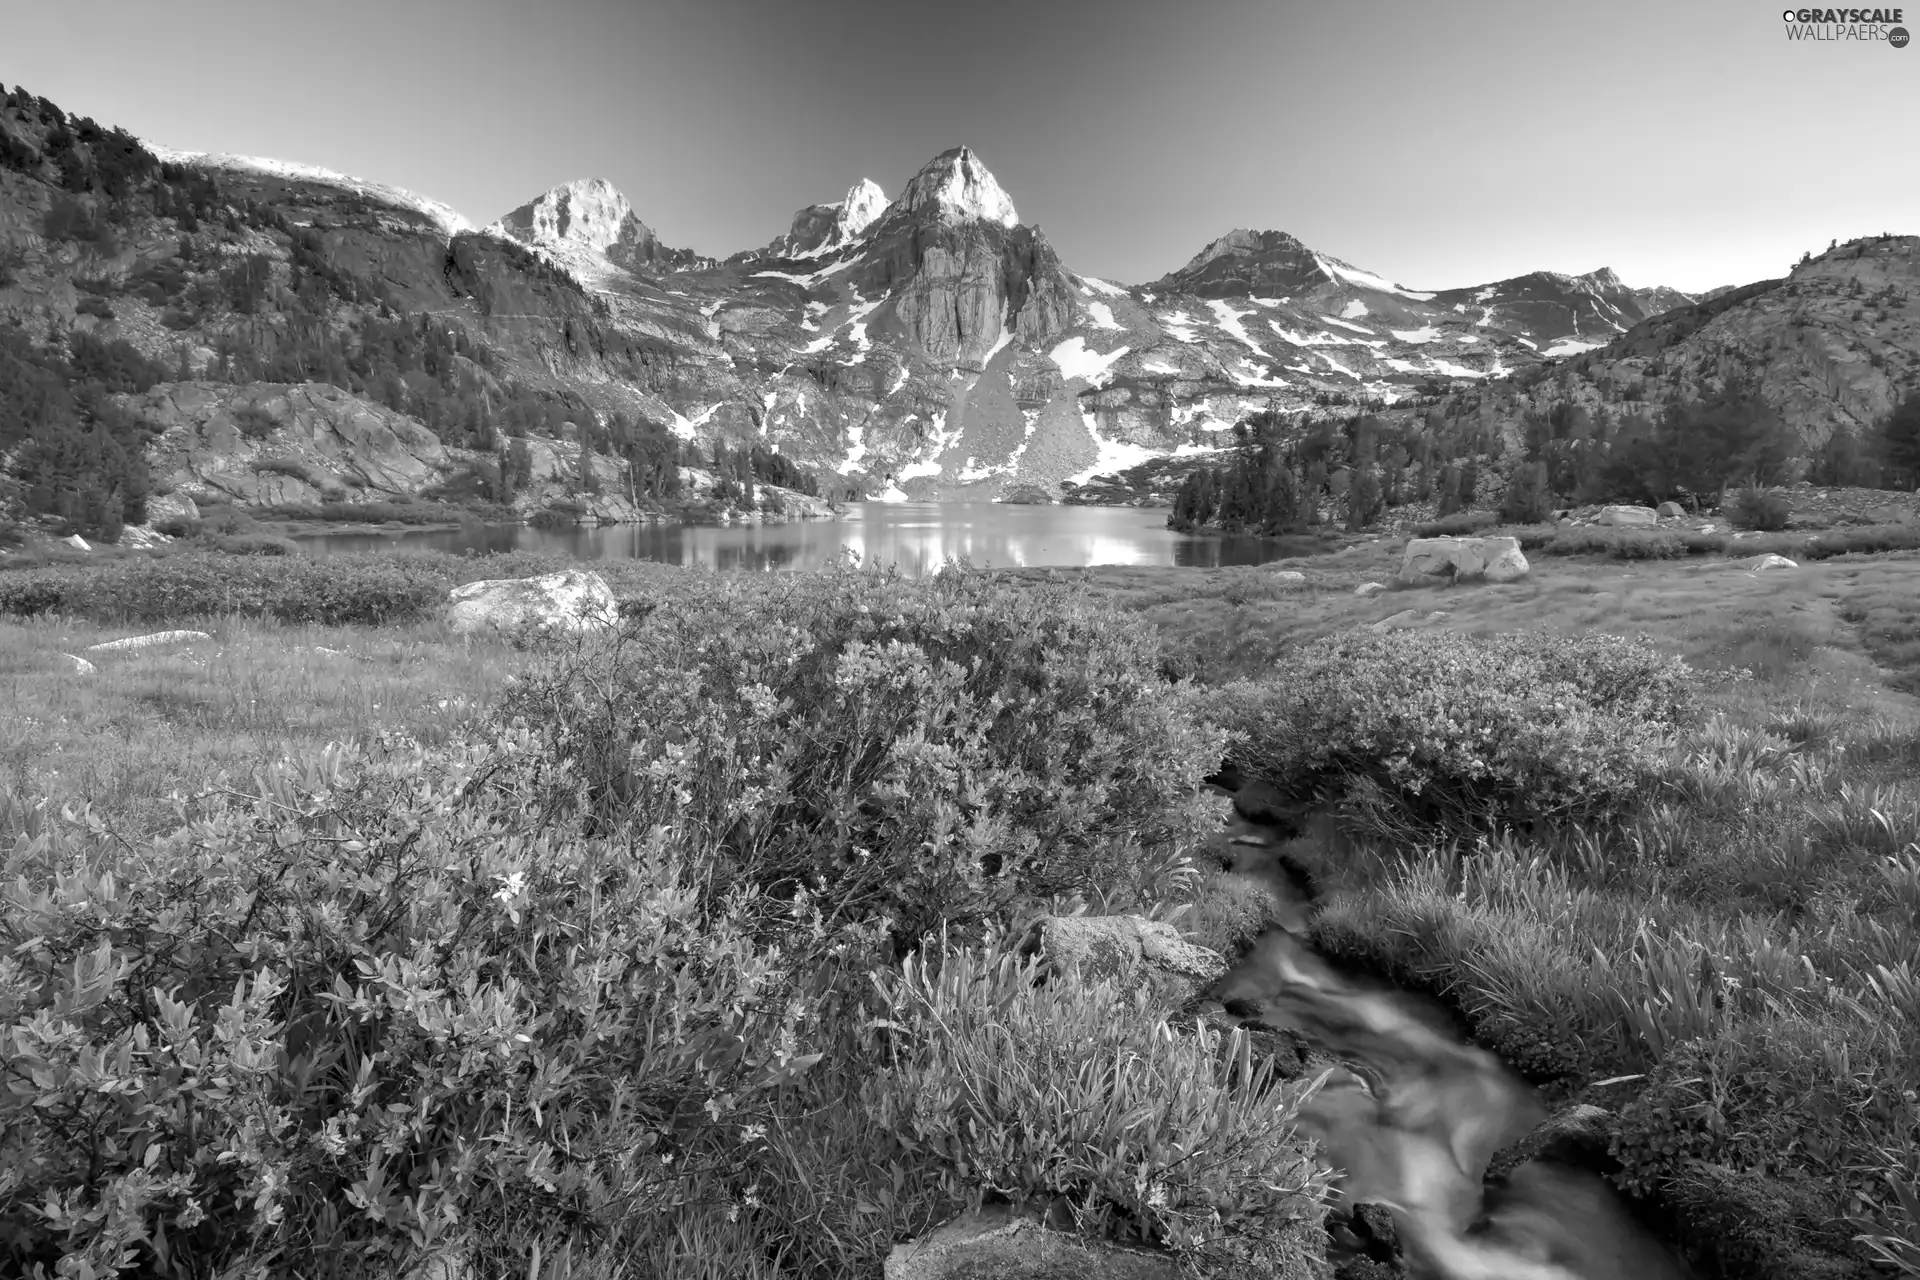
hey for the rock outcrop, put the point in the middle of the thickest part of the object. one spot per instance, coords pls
(553, 604)
(998, 1243)
(269, 442)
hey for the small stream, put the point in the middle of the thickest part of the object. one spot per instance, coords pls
(1412, 1116)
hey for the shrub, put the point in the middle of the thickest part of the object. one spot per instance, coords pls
(256, 544)
(1619, 544)
(374, 588)
(1461, 524)
(1862, 540)
(253, 421)
(382, 1008)
(1760, 509)
(1158, 1146)
(1528, 500)
(549, 518)
(929, 751)
(1415, 732)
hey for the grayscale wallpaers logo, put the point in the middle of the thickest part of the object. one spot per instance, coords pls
(1818, 26)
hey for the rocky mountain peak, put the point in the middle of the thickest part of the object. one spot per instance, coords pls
(821, 227)
(586, 217)
(956, 187)
(1244, 262)
(865, 202)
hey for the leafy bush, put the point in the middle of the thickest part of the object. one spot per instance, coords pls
(1760, 509)
(550, 518)
(374, 588)
(313, 1003)
(929, 751)
(256, 544)
(1157, 1146)
(255, 422)
(1462, 524)
(1417, 732)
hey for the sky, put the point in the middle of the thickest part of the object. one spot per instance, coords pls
(1440, 145)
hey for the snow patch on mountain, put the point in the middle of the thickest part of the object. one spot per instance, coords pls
(942, 441)
(1425, 333)
(1365, 279)
(1571, 347)
(1229, 322)
(1353, 310)
(1102, 286)
(1102, 316)
(444, 216)
(1348, 325)
(1077, 361)
(1115, 455)
(856, 449)
(1178, 326)
(686, 428)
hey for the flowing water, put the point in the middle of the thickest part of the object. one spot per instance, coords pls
(1412, 1116)
(917, 536)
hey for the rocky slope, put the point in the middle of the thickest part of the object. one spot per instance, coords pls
(931, 345)
(1834, 346)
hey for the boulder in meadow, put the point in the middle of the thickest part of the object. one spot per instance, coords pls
(1628, 517)
(1463, 560)
(568, 602)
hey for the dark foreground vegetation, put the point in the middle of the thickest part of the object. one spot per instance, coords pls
(686, 952)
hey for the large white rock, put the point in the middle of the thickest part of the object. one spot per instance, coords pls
(1370, 588)
(1638, 517)
(162, 507)
(1462, 559)
(1670, 510)
(1768, 561)
(147, 641)
(570, 601)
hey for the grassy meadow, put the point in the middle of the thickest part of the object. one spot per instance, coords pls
(707, 925)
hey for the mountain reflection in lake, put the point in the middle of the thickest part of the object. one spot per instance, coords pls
(917, 536)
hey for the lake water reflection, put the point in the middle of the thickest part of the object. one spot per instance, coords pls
(917, 536)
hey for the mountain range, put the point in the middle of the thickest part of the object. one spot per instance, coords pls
(933, 345)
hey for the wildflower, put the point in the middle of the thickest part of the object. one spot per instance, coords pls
(511, 886)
